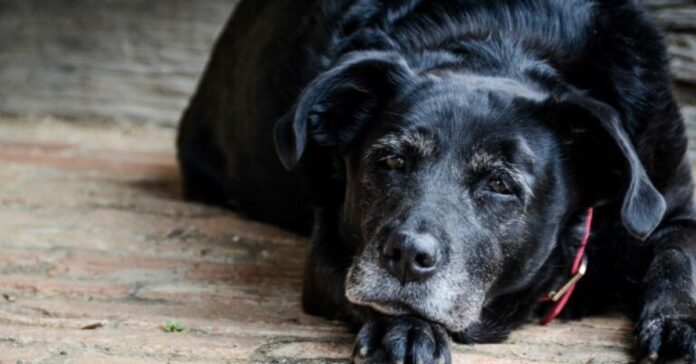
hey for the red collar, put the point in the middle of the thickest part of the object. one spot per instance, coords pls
(577, 271)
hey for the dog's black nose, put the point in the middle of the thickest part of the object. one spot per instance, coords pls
(411, 256)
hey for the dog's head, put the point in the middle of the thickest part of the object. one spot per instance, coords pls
(458, 185)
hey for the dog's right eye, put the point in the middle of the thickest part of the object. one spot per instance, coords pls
(499, 186)
(392, 163)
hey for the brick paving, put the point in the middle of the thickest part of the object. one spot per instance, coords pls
(98, 252)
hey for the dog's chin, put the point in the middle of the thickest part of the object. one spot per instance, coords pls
(448, 299)
(453, 319)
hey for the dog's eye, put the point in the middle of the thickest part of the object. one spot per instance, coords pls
(498, 185)
(393, 163)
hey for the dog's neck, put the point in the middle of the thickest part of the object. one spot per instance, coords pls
(509, 310)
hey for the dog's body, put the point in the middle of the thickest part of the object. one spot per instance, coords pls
(442, 95)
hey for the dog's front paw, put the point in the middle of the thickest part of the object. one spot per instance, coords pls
(406, 340)
(665, 334)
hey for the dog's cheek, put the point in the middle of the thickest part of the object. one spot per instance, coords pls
(456, 298)
(365, 280)
(465, 312)
(511, 241)
(364, 204)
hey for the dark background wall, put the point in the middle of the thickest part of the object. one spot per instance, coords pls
(140, 59)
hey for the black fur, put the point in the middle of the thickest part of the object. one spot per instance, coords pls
(486, 126)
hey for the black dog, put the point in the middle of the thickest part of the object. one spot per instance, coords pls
(445, 154)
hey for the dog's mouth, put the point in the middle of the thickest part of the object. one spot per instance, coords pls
(392, 308)
(449, 297)
(400, 308)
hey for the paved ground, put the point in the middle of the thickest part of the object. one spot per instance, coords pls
(97, 253)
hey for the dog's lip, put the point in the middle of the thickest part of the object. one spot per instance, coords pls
(390, 307)
(397, 308)
(387, 307)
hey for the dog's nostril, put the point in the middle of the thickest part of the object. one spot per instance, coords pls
(392, 252)
(426, 260)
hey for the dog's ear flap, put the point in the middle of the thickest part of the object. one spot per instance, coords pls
(643, 206)
(333, 108)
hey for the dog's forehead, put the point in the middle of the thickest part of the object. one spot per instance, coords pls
(476, 92)
(456, 101)
(466, 114)
(476, 84)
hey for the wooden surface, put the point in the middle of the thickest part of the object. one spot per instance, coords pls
(97, 253)
(678, 19)
(141, 59)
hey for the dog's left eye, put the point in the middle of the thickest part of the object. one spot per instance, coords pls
(498, 185)
(393, 163)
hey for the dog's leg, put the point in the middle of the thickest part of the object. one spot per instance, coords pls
(667, 325)
(382, 338)
(201, 162)
(323, 290)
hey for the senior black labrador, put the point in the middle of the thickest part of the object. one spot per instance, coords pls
(447, 157)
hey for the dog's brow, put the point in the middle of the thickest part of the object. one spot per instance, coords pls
(419, 142)
(482, 159)
(485, 155)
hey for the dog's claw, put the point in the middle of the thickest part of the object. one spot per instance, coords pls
(692, 354)
(402, 340)
(649, 359)
(359, 354)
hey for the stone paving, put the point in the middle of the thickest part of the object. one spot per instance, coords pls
(99, 255)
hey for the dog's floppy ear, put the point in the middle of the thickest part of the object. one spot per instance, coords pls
(643, 206)
(334, 107)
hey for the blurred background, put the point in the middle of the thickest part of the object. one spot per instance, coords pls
(105, 59)
(140, 59)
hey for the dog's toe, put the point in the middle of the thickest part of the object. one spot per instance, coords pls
(667, 337)
(404, 340)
